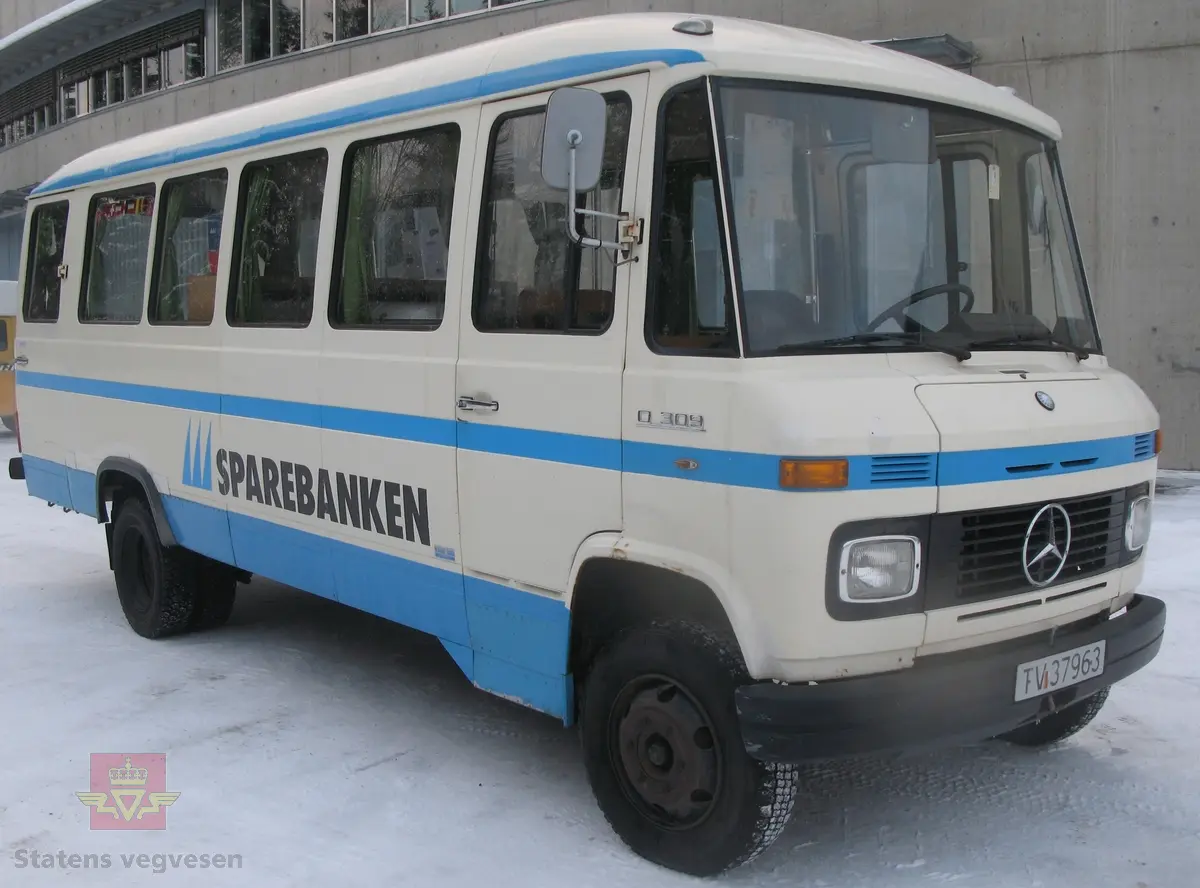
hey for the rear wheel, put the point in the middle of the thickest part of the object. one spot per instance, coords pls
(664, 752)
(157, 586)
(214, 597)
(1059, 725)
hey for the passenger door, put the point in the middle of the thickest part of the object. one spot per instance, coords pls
(542, 351)
(388, 372)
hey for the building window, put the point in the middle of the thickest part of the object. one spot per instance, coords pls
(275, 253)
(118, 247)
(153, 67)
(388, 14)
(258, 30)
(99, 91)
(458, 7)
(395, 231)
(318, 22)
(427, 10)
(189, 241)
(48, 235)
(287, 26)
(229, 34)
(531, 278)
(193, 63)
(133, 78)
(351, 19)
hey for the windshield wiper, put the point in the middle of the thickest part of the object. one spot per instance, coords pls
(1045, 343)
(962, 353)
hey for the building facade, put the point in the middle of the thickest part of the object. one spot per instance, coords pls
(77, 74)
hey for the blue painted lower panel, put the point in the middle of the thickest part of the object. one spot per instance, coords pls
(508, 642)
(83, 491)
(504, 621)
(201, 528)
(553, 694)
(47, 480)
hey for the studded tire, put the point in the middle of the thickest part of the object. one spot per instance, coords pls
(215, 596)
(157, 586)
(1060, 725)
(664, 751)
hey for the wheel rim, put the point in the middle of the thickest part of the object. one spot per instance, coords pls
(665, 752)
(138, 569)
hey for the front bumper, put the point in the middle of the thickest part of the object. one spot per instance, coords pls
(943, 699)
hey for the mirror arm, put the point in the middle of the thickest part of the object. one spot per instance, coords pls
(574, 138)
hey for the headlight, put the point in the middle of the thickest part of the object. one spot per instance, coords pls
(1137, 524)
(879, 569)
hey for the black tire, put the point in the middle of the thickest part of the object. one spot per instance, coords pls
(215, 596)
(157, 586)
(678, 681)
(1060, 725)
(10, 423)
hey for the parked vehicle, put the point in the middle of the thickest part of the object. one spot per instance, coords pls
(732, 390)
(8, 334)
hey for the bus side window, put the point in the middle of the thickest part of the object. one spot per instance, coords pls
(47, 237)
(394, 231)
(189, 240)
(690, 307)
(117, 252)
(531, 278)
(275, 251)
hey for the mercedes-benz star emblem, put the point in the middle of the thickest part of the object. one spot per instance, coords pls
(1045, 400)
(1047, 544)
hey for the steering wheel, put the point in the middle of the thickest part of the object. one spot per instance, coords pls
(897, 311)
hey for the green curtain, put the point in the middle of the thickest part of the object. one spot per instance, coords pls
(249, 294)
(171, 298)
(355, 271)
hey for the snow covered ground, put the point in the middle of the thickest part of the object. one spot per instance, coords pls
(327, 747)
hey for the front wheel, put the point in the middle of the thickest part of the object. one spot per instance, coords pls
(664, 752)
(1059, 725)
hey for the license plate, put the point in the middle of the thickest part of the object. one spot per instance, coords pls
(1039, 677)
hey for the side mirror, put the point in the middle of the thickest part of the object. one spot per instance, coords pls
(573, 139)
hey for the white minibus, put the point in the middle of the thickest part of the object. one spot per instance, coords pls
(730, 390)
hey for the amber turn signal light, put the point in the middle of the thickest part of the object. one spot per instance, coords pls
(1157, 442)
(813, 474)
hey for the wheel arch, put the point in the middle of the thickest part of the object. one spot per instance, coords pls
(116, 473)
(616, 583)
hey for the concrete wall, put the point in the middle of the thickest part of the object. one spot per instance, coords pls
(1120, 75)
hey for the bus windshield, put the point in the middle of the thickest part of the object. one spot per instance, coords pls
(874, 223)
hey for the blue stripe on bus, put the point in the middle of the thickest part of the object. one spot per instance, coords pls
(1036, 461)
(725, 467)
(487, 85)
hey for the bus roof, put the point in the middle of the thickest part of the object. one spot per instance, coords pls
(539, 58)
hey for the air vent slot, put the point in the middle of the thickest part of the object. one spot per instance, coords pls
(902, 470)
(1024, 470)
(1143, 446)
(1078, 463)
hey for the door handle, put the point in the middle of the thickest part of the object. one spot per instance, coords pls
(473, 404)
(20, 361)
